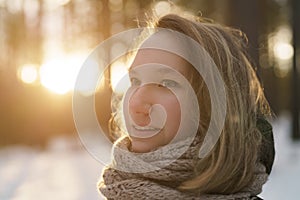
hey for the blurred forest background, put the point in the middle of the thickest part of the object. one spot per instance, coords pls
(43, 43)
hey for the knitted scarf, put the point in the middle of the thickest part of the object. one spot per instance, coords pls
(156, 175)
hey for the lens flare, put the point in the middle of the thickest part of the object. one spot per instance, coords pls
(59, 75)
(28, 73)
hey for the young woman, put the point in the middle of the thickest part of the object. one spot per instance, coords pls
(180, 95)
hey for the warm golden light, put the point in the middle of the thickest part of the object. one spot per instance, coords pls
(53, 4)
(280, 43)
(119, 77)
(14, 6)
(115, 5)
(162, 8)
(59, 75)
(89, 83)
(283, 50)
(28, 73)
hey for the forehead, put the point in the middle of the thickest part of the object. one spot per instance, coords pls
(161, 57)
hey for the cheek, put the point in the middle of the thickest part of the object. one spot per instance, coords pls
(173, 113)
(125, 107)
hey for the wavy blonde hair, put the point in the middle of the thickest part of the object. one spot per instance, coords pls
(230, 166)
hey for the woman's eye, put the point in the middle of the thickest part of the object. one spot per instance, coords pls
(135, 82)
(169, 83)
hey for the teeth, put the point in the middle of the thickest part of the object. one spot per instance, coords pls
(145, 128)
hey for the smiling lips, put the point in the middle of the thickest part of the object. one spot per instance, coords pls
(144, 131)
(145, 128)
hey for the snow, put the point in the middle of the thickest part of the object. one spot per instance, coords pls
(285, 177)
(66, 171)
(57, 173)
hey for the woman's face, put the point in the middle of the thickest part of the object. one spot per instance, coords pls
(152, 107)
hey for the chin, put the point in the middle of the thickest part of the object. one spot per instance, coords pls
(141, 146)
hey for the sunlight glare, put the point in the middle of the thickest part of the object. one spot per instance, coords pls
(28, 73)
(31, 9)
(162, 8)
(53, 4)
(89, 84)
(2, 4)
(119, 77)
(14, 6)
(59, 75)
(281, 42)
(283, 50)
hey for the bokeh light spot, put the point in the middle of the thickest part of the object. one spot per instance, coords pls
(28, 73)
(283, 50)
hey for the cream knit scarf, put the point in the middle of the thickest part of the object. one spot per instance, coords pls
(130, 175)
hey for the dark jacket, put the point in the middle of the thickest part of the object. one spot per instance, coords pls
(267, 149)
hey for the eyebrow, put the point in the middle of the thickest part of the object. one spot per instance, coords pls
(161, 71)
(167, 71)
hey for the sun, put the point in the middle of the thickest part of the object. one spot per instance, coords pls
(59, 75)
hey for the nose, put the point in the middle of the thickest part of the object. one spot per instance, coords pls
(140, 104)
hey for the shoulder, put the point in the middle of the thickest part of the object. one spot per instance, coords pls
(267, 148)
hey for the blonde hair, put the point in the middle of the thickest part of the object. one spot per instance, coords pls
(230, 165)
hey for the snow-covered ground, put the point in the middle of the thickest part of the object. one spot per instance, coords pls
(285, 177)
(65, 171)
(62, 172)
